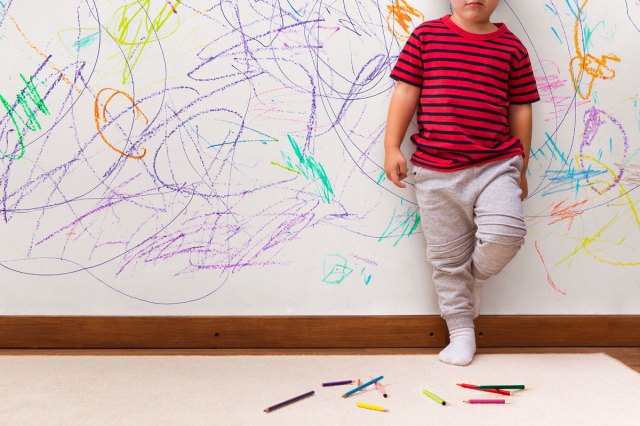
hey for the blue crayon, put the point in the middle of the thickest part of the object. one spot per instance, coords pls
(352, 391)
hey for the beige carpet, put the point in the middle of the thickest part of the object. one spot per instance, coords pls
(591, 389)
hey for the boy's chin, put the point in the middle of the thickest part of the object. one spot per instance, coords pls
(476, 17)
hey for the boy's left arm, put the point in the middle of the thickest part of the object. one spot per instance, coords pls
(520, 121)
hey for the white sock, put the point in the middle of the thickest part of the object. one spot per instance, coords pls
(477, 297)
(461, 348)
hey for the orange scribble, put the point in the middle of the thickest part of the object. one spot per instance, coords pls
(102, 118)
(589, 64)
(400, 13)
(41, 53)
(560, 212)
(549, 279)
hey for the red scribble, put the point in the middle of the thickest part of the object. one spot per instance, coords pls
(103, 118)
(566, 213)
(549, 279)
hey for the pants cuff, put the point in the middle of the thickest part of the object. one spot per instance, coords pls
(460, 320)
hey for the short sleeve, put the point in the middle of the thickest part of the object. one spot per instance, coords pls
(522, 83)
(409, 67)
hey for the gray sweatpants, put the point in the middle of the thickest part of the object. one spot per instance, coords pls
(473, 224)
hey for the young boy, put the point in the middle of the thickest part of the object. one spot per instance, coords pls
(473, 85)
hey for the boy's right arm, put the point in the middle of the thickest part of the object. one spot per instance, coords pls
(401, 109)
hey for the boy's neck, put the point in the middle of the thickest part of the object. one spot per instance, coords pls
(484, 27)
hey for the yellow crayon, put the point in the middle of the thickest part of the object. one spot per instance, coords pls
(371, 407)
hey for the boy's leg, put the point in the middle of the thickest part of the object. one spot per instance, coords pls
(446, 207)
(499, 217)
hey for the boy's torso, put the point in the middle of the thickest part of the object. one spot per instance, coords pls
(464, 102)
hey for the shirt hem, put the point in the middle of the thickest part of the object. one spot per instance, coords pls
(468, 166)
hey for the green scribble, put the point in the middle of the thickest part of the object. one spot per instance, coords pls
(335, 269)
(28, 94)
(382, 176)
(309, 168)
(405, 225)
(86, 41)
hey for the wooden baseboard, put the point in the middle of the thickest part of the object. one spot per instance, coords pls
(281, 332)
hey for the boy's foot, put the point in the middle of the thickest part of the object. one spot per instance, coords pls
(461, 348)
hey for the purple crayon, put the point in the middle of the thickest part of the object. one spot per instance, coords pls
(343, 382)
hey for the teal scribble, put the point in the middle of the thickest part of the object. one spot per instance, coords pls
(382, 177)
(335, 269)
(86, 41)
(578, 13)
(552, 9)
(29, 122)
(557, 35)
(367, 277)
(294, 9)
(570, 179)
(405, 225)
(310, 169)
(264, 140)
(586, 35)
(550, 145)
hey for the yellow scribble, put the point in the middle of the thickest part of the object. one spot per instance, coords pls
(623, 192)
(136, 25)
(595, 67)
(285, 167)
(587, 242)
(401, 14)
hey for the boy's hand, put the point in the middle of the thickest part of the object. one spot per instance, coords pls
(395, 166)
(524, 185)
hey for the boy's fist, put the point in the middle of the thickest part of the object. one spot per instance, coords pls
(395, 166)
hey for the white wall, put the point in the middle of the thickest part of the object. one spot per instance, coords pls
(222, 217)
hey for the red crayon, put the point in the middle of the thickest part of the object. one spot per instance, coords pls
(498, 391)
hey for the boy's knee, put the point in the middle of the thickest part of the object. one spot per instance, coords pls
(451, 255)
(511, 234)
(491, 256)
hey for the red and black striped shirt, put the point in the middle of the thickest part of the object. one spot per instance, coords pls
(468, 82)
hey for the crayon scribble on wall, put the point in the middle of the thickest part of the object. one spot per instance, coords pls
(160, 152)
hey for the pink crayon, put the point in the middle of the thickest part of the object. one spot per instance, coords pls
(381, 389)
(485, 401)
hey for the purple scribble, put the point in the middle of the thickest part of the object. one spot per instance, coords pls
(594, 121)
